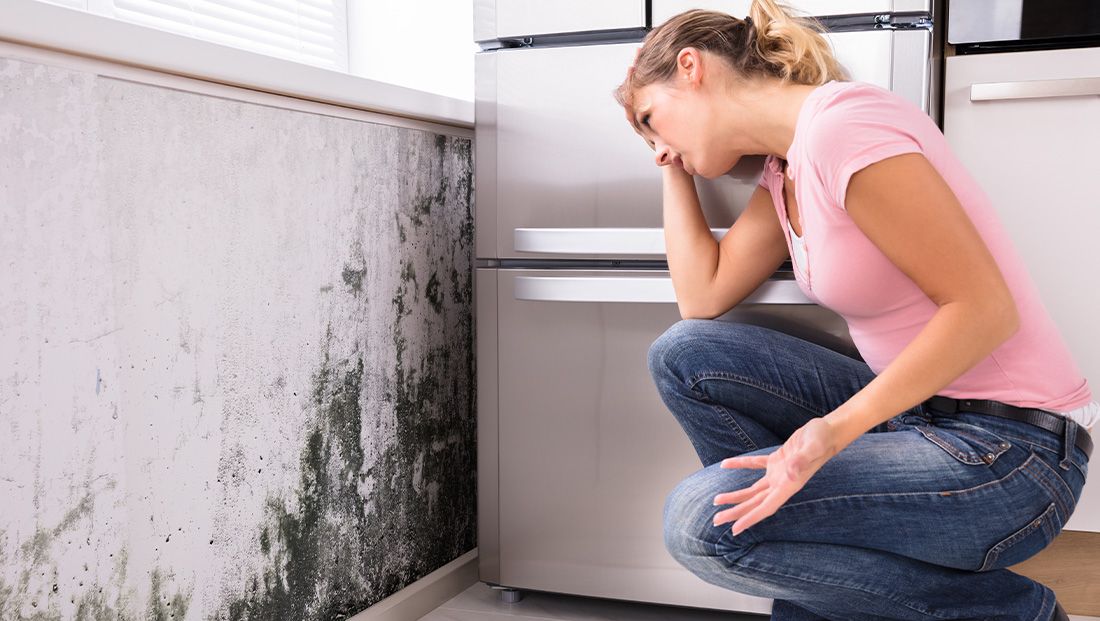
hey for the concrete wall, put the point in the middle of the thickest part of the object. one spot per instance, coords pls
(236, 378)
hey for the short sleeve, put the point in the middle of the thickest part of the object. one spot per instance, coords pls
(860, 127)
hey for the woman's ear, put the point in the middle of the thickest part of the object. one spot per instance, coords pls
(689, 65)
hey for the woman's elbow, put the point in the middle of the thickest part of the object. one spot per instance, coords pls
(695, 311)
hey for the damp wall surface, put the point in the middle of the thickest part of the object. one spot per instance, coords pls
(237, 375)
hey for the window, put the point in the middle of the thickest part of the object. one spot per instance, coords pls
(423, 44)
(308, 31)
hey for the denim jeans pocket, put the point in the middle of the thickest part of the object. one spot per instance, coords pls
(1025, 542)
(967, 443)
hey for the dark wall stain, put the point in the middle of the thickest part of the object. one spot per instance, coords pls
(353, 278)
(435, 296)
(422, 206)
(333, 552)
(161, 608)
(305, 579)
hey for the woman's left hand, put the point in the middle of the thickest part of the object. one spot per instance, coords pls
(788, 469)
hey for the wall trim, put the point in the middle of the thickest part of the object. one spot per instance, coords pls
(112, 70)
(426, 594)
(49, 26)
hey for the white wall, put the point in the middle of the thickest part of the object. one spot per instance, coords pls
(236, 351)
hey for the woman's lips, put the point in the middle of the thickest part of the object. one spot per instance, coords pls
(684, 165)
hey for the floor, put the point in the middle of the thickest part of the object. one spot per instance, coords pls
(482, 603)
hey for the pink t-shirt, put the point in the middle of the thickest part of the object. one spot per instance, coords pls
(846, 126)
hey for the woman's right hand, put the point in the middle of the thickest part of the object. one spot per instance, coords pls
(674, 162)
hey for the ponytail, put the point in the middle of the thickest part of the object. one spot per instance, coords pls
(769, 42)
(793, 45)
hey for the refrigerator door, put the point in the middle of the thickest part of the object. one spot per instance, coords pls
(558, 164)
(664, 9)
(503, 19)
(584, 450)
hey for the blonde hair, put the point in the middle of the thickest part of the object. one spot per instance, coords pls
(770, 42)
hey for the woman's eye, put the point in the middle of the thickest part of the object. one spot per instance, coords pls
(645, 120)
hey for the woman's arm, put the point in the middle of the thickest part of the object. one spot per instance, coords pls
(908, 211)
(711, 277)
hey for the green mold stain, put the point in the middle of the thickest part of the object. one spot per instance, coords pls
(160, 607)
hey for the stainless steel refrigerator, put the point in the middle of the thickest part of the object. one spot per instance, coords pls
(576, 451)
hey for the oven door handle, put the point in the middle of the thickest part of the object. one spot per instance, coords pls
(1031, 89)
(637, 290)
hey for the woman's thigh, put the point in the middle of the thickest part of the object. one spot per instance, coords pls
(737, 388)
(948, 493)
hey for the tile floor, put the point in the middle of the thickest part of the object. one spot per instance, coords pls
(482, 603)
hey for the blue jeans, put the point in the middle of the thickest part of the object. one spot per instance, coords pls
(915, 519)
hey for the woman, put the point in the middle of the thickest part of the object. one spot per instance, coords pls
(852, 492)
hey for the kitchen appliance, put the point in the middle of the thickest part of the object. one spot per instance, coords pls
(576, 451)
(977, 26)
(1022, 103)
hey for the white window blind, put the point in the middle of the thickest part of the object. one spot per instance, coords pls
(307, 31)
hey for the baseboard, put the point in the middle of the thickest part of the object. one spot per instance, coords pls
(426, 594)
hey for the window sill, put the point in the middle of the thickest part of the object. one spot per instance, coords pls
(55, 27)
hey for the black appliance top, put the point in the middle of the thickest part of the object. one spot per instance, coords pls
(1002, 25)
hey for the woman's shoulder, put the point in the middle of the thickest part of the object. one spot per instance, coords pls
(854, 99)
(851, 110)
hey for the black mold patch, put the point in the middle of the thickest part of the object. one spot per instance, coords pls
(307, 578)
(422, 206)
(400, 228)
(353, 278)
(435, 296)
(330, 551)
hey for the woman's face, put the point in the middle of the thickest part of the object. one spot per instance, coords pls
(679, 119)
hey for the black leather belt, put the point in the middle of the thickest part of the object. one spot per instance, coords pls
(1040, 418)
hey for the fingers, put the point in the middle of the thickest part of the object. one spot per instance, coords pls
(729, 498)
(767, 507)
(745, 461)
(729, 515)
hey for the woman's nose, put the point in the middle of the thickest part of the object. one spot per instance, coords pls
(664, 155)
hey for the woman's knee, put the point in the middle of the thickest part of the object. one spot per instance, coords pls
(677, 350)
(689, 510)
(664, 352)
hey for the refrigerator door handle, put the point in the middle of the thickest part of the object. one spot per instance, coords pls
(599, 240)
(637, 290)
(1072, 87)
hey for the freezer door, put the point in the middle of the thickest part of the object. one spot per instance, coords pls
(502, 19)
(560, 170)
(555, 151)
(585, 450)
(664, 9)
